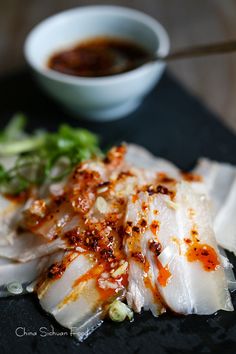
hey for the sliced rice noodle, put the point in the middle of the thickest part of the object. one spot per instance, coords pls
(189, 288)
(139, 157)
(228, 268)
(74, 299)
(22, 273)
(27, 246)
(25, 274)
(142, 292)
(220, 179)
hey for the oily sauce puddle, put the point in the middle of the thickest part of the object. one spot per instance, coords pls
(98, 56)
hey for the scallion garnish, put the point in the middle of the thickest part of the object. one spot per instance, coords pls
(118, 311)
(41, 156)
(15, 288)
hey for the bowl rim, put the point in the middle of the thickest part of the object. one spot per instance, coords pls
(155, 25)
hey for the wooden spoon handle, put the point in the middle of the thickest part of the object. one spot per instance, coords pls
(201, 50)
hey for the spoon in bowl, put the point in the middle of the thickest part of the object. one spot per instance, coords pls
(122, 65)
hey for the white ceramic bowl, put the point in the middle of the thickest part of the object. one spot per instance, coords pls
(99, 98)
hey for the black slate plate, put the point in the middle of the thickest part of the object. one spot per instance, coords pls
(171, 124)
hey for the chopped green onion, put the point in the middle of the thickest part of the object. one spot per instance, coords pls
(29, 168)
(118, 311)
(18, 147)
(15, 288)
(14, 129)
(42, 156)
(58, 167)
(2, 173)
(30, 287)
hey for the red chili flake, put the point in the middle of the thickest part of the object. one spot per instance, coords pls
(163, 178)
(110, 238)
(121, 231)
(143, 223)
(58, 200)
(107, 160)
(128, 230)
(103, 184)
(134, 198)
(121, 149)
(115, 155)
(138, 256)
(154, 227)
(19, 197)
(72, 238)
(55, 236)
(205, 253)
(150, 190)
(162, 189)
(56, 270)
(136, 229)
(144, 206)
(191, 177)
(92, 242)
(107, 254)
(155, 247)
(121, 201)
(124, 174)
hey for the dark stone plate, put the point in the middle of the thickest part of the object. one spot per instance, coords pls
(172, 124)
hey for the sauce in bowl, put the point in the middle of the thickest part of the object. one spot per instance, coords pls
(98, 56)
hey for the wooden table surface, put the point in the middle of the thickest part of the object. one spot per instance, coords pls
(188, 22)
